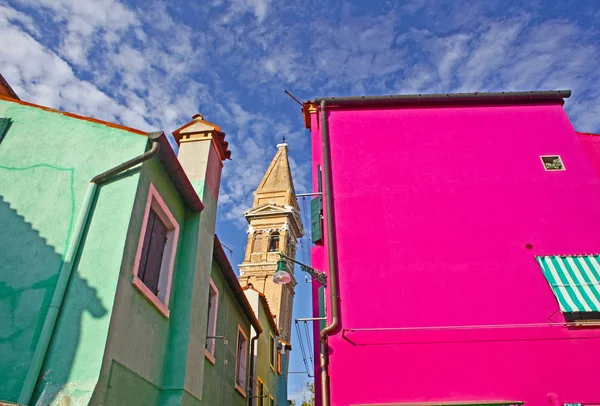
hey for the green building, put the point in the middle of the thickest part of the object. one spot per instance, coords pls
(268, 378)
(226, 357)
(105, 276)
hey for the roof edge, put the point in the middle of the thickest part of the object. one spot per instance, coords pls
(7, 88)
(176, 173)
(73, 115)
(443, 98)
(232, 280)
(263, 298)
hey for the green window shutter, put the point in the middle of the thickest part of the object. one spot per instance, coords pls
(316, 209)
(4, 126)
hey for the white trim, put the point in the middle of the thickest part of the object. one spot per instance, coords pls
(210, 354)
(239, 388)
(160, 301)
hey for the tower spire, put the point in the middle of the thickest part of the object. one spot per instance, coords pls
(274, 226)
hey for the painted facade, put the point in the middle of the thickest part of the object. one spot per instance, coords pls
(114, 341)
(268, 383)
(440, 211)
(226, 370)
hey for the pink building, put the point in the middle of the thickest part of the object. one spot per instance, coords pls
(466, 239)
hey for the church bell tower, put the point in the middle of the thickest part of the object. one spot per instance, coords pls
(274, 226)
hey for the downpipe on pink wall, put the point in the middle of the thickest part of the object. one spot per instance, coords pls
(331, 251)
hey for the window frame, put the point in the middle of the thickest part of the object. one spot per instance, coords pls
(272, 349)
(156, 203)
(210, 354)
(557, 156)
(241, 389)
(271, 400)
(260, 389)
(274, 239)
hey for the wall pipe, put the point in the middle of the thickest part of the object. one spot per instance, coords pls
(251, 380)
(66, 269)
(332, 253)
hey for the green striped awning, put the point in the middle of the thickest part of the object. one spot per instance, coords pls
(575, 281)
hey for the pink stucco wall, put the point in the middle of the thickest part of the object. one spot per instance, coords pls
(433, 208)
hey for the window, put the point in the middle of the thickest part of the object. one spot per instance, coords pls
(241, 358)
(272, 351)
(575, 282)
(271, 400)
(552, 163)
(261, 393)
(274, 242)
(211, 321)
(5, 124)
(155, 256)
(279, 362)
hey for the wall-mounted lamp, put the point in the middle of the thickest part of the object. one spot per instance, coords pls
(283, 277)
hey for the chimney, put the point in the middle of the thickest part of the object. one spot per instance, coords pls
(202, 150)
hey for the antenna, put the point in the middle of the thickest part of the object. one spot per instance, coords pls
(293, 98)
(228, 249)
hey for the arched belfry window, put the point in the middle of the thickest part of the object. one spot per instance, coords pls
(274, 242)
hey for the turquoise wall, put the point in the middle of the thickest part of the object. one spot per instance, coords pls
(46, 162)
(219, 378)
(138, 334)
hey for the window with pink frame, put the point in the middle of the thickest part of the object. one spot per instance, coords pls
(155, 258)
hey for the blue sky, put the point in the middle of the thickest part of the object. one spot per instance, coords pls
(153, 64)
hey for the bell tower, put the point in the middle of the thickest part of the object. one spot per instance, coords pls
(274, 226)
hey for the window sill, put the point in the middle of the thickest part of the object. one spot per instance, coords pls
(209, 356)
(156, 302)
(240, 390)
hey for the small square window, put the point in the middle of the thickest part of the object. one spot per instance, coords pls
(552, 163)
(155, 258)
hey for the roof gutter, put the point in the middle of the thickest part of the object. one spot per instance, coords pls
(41, 348)
(449, 98)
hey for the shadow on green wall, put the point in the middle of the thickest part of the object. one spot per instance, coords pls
(28, 273)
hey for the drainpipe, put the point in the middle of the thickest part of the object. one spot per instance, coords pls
(332, 279)
(67, 267)
(251, 380)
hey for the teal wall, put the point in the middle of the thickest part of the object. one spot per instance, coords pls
(219, 378)
(138, 334)
(46, 162)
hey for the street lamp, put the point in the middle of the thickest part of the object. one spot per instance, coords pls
(283, 277)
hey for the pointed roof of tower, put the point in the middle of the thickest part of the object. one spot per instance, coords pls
(277, 179)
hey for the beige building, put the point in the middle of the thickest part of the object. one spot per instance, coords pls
(274, 226)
